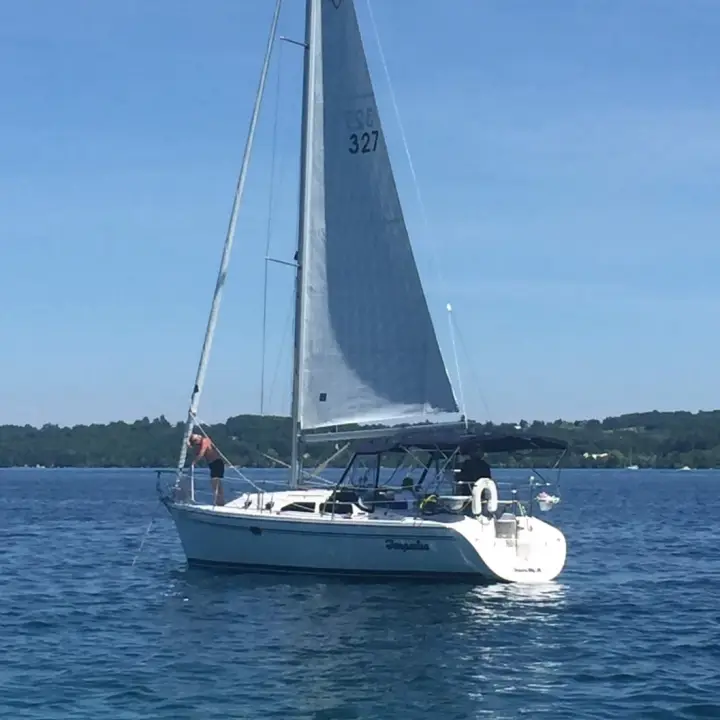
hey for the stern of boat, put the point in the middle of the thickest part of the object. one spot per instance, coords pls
(517, 548)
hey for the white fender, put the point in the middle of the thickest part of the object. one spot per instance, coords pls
(481, 486)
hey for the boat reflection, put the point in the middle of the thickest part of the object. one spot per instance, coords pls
(396, 644)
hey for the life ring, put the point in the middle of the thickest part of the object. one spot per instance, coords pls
(480, 500)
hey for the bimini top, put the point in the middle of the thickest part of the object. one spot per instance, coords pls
(451, 438)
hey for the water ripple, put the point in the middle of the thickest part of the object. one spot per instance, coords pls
(631, 630)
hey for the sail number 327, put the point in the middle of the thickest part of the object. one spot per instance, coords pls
(360, 123)
(363, 142)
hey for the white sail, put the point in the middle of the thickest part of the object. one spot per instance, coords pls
(368, 350)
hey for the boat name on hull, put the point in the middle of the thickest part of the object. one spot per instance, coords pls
(406, 545)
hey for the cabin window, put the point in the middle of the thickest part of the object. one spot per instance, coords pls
(299, 507)
(337, 508)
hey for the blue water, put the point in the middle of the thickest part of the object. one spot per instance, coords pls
(630, 630)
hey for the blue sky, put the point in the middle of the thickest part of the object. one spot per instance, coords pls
(568, 156)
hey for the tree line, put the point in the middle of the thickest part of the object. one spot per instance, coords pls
(651, 439)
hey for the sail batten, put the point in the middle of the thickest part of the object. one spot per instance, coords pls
(368, 350)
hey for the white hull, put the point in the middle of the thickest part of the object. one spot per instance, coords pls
(385, 543)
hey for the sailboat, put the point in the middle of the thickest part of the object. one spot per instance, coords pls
(365, 353)
(632, 466)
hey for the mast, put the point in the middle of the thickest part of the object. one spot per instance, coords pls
(303, 223)
(225, 259)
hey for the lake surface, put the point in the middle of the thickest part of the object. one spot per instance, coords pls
(630, 630)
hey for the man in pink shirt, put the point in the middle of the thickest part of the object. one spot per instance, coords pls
(204, 448)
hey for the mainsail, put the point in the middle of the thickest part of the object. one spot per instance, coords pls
(367, 346)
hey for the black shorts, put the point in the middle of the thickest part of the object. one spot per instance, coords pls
(217, 468)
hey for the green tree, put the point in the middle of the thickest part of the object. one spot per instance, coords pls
(654, 439)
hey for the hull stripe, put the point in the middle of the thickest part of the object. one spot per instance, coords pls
(474, 578)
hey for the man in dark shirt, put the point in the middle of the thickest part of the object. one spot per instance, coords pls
(474, 468)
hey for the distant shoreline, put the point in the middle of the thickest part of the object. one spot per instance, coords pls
(204, 470)
(657, 440)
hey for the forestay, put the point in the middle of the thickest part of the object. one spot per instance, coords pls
(368, 349)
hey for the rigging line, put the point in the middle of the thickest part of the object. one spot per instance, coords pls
(239, 481)
(227, 247)
(269, 229)
(451, 323)
(478, 385)
(286, 330)
(146, 534)
(339, 451)
(437, 265)
(398, 119)
(315, 473)
(307, 473)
